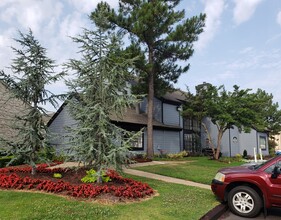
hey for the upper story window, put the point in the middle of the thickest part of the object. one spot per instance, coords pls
(191, 124)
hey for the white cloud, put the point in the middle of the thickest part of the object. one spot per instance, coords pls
(273, 39)
(244, 9)
(30, 13)
(213, 10)
(246, 50)
(279, 18)
(72, 25)
(226, 75)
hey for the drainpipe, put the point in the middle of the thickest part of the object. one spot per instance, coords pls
(229, 139)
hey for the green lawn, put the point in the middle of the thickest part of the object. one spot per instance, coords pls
(174, 202)
(197, 169)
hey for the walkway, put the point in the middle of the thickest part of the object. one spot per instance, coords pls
(150, 175)
(165, 178)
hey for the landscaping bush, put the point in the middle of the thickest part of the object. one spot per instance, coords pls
(179, 155)
(238, 157)
(4, 160)
(47, 154)
(92, 177)
(123, 187)
(245, 154)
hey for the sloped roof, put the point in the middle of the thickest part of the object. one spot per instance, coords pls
(10, 107)
(133, 117)
(176, 96)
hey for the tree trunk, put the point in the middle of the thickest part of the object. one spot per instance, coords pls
(99, 177)
(219, 144)
(33, 170)
(209, 137)
(150, 151)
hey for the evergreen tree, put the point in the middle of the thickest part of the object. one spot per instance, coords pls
(31, 70)
(160, 36)
(99, 91)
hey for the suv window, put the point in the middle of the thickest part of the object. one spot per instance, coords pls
(270, 169)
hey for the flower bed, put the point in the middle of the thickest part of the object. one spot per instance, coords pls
(20, 178)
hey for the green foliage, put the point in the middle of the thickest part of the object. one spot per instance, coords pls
(179, 155)
(10, 160)
(238, 157)
(100, 92)
(226, 109)
(57, 175)
(92, 176)
(171, 202)
(272, 145)
(46, 154)
(5, 160)
(245, 154)
(197, 169)
(31, 70)
(160, 36)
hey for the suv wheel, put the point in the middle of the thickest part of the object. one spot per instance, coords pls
(244, 201)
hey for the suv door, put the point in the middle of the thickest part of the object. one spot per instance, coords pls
(275, 185)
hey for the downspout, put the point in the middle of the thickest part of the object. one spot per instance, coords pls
(229, 139)
(257, 144)
(181, 125)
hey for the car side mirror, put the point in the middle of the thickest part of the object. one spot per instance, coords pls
(276, 172)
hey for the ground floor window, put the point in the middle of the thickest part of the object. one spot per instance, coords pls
(137, 144)
(262, 143)
(192, 142)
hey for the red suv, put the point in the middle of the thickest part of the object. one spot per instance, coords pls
(248, 189)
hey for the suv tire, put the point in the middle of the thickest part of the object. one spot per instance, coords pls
(244, 201)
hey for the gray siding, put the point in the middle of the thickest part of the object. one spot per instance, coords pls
(171, 116)
(58, 130)
(143, 106)
(169, 141)
(157, 112)
(251, 141)
(233, 141)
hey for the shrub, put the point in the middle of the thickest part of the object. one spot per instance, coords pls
(4, 160)
(179, 155)
(245, 154)
(57, 175)
(128, 189)
(92, 176)
(46, 154)
(238, 157)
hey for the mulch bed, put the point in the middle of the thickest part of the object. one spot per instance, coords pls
(119, 189)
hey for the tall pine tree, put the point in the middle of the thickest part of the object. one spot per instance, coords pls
(100, 90)
(160, 36)
(31, 70)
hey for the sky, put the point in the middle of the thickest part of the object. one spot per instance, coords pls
(240, 45)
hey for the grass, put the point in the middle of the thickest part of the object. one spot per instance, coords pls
(197, 169)
(174, 202)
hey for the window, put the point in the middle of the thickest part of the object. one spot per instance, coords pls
(138, 143)
(187, 124)
(262, 143)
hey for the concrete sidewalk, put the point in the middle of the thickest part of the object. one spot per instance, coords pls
(149, 175)
(165, 178)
